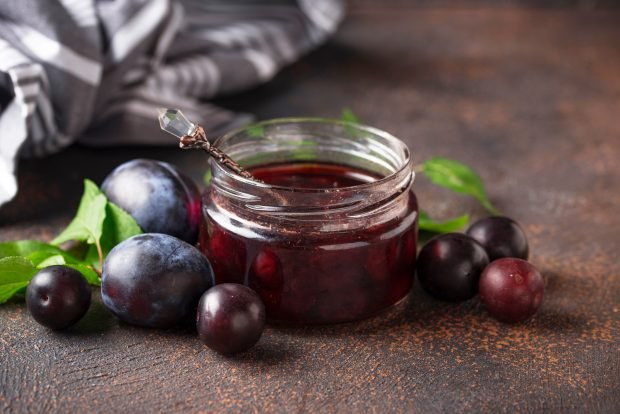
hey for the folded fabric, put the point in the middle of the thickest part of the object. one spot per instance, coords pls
(94, 70)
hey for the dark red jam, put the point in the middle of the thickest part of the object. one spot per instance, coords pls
(316, 277)
(306, 175)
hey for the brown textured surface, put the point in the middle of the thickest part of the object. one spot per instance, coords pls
(530, 98)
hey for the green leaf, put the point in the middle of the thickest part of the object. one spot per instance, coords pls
(7, 291)
(41, 256)
(88, 272)
(457, 177)
(304, 154)
(206, 179)
(351, 120)
(256, 131)
(87, 225)
(15, 274)
(425, 222)
(56, 259)
(118, 226)
(26, 248)
(347, 115)
(97, 221)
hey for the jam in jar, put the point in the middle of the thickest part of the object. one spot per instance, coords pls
(327, 232)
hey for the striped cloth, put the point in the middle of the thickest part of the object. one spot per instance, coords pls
(93, 70)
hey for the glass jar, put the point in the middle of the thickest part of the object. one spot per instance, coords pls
(314, 253)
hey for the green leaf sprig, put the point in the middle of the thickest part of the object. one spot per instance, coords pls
(98, 224)
(16, 273)
(457, 177)
(347, 115)
(448, 226)
(87, 225)
(446, 173)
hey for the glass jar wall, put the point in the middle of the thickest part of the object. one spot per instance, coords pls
(329, 233)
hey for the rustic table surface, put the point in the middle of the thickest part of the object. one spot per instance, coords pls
(529, 97)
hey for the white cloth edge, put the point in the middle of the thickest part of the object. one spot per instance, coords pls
(12, 137)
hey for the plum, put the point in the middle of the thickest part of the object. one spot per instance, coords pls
(154, 280)
(501, 237)
(512, 289)
(230, 318)
(58, 296)
(159, 197)
(449, 266)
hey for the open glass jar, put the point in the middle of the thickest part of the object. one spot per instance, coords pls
(330, 235)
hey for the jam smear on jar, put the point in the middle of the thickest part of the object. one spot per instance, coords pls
(310, 277)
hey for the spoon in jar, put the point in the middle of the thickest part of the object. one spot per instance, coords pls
(193, 136)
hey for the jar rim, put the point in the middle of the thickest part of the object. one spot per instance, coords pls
(405, 164)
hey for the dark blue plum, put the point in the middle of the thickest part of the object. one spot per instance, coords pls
(501, 237)
(159, 197)
(155, 280)
(58, 296)
(230, 318)
(449, 266)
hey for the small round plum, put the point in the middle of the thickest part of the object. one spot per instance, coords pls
(501, 237)
(154, 280)
(449, 266)
(230, 318)
(512, 289)
(58, 296)
(159, 197)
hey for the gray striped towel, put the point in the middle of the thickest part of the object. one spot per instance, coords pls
(94, 70)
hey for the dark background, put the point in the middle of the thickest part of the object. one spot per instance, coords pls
(528, 96)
